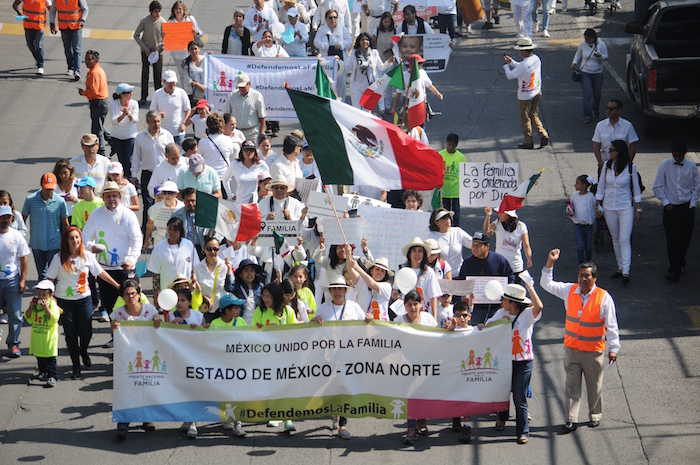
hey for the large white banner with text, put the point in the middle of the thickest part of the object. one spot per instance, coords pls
(350, 368)
(267, 76)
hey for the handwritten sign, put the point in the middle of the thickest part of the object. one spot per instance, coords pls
(388, 229)
(457, 287)
(177, 35)
(485, 184)
(319, 205)
(287, 228)
(303, 186)
(352, 227)
(356, 200)
(480, 284)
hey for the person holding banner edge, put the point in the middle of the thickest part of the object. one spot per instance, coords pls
(427, 286)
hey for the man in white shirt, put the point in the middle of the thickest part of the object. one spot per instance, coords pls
(259, 19)
(90, 163)
(610, 129)
(340, 6)
(529, 75)
(287, 165)
(174, 106)
(112, 233)
(168, 169)
(149, 151)
(677, 186)
(373, 10)
(280, 205)
(301, 35)
(160, 213)
(412, 24)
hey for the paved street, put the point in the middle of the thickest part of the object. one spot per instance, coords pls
(651, 412)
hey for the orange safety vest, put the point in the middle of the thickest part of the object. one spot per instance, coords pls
(35, 12)
(587, 332)
(69, 14)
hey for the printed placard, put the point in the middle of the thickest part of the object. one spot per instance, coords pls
(287, 228)
(485, 184)
(480, 284)
(176, 35)
(303, 186)
(435, 48)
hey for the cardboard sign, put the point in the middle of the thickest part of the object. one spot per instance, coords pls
(287, 228)
(177, 35)
(424, 12)
(484, 184)
(457, 287)
(320, 205)
(352, 227)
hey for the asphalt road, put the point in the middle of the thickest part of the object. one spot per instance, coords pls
(650, 404)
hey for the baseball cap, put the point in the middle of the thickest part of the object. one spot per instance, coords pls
(89, 139)
(293, 12)
(228, 300)
(6, 210)
(248, 145)
(124, 87)
(242, 80)
(169, 76)
(196, 163)
(202, 103)
(46, 285)
(481, 236)
(115, 168)
(48, 181)
(86, 181)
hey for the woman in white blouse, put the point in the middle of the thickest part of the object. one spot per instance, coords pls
(621, 197)
(450, 238)
(210, 276)
(124, 114)
(334, 39)
(589, 58)
(365, 68)
(268, 47)
(178, 14)
(241, 179)
(216, 147)
(193, 80)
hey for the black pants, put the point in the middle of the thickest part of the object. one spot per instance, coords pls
(48, 365)
(678, 224)
(108, 292)
(157, 74)
(77, 326)
(98, 111)
(148, 201)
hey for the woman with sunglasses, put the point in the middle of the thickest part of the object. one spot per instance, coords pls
(210, 276)
(334, 39)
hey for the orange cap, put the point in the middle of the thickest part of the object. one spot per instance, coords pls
(48, 181)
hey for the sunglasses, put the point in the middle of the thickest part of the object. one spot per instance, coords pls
(332, 17)
(610, 108)
(462, 315)
(212, 249)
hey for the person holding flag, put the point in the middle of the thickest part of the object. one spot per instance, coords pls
(417, 113)
(364, 63)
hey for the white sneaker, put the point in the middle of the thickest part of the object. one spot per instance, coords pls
(545, 33)
(192, 431)
(184, 427)
(344, 434)
(334, 426)
(552, 11)
(40, 71)
(289, 426)
(618, 5)
(70, 72)
(227, 425)
(238, 430)
(273, 423)
(104, 317)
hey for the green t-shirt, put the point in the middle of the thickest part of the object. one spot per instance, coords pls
(268, 317)
(239, 321)
(308, 298)
(450, 188)
(44, 341)
(82, 210)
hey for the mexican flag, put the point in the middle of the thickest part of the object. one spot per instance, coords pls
(354, 147)
(375, 92)
(323, 84)
(417, 113)
(515, 200)
(234, 221)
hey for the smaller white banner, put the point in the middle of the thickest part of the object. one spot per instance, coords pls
(485, 184)
(320, 205)
(480, 284)
(352, 227)
(357, 200)
(457, 287)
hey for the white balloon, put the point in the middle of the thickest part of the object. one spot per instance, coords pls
(493, 290)
(405, 280)
(167, 299)
(277, 30)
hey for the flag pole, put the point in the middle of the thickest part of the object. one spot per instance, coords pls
(336, 214)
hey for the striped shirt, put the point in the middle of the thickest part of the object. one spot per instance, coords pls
(45, 219)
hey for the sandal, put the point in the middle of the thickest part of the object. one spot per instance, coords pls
(500, 425)
(423, 427)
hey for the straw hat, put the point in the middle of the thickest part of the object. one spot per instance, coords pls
(516, 293)
(381, 263)
(417, 241)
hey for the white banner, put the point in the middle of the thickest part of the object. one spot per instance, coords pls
(353, 369)
(388, 229)
(267, 76)
(357, 200)
(485, 184)
(352, 227)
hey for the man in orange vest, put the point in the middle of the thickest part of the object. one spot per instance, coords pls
(72, 15)
(34, 12)
(590, 320)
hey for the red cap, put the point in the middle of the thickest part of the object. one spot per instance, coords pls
(417, 58)
(202, 103)
(48, 181)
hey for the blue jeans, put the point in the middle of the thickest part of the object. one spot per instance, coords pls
(545, 13)
(72, 42)
(98, 112)
(584, 242)
(592, 87)
(521, 380)
(179, 139)
(35, 43)
(124, 149)
(9, 294)
(452, 205)
(446, 23)
(42, 258)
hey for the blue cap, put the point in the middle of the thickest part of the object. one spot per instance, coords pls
(228, 300)
(86, 181)
(124, 87)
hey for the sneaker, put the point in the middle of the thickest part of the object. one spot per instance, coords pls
(104, 317)
(226, 425)
(536, 27)
(184, 427)
(423, 427)
(121, 434)
(76, 77)
(238, 430)
(4, 319)
(273, 423)
(15, 352)
(410, 437)
(546, 33)
(618, 5)
(40, 376)
(552, 11)
(344, 434)
(487, 25)
(496, 19)
(51, 382)
(334, 425)
(70, 72)
(289, 426)
(523, 440)
(465, 434)
(40, 71)
(456, 425)
(192, 431)
(108, 345)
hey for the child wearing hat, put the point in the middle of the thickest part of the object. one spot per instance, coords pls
(43, 314)
(230, 307)
(87, 203)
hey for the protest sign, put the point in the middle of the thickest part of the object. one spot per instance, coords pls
(267, 76)
(435, 48)
(484, 184)
(352, 227)
(479, 285)
(320, 205)
(388, 229)
(355, 200)
(177, 35)
(457, 287)
(422, 11)
(303, 186)
(287, 228)
(349, 368)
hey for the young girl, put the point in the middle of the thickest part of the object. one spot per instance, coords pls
(43, 314)
(427, 285)
(582, 213)
(299, 274)
(248, 285)
(130, 199)
(65, 175)
(517, 309)
(442, 268)
(374, 289)
(265, 151)
(292, 300)
(184, 314)
(511, 237)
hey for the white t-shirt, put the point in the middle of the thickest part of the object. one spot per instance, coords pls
(199, 125)
(444, 314)
(328, 311)
(427, 286)
(196, 317)
(376, 302)
(242, 181)
(529, 75)
(160, 214)
(451, 244)
(217, 151)
(426, 319)
(169, 260)
(522, 332)
(148, 312)
(129, 192)
(174, 106)
(442, 268)
(73, 286)
(12, 247)
(584, 208)
(510, 244)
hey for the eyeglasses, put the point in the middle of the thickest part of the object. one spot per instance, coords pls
(212, 249)
(332, 17)
(462, 315)
(610, 108)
